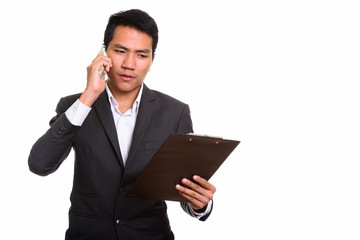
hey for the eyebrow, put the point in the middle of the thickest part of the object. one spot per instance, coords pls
(118, 45)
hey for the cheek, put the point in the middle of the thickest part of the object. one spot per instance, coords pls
(144, 72)
(145, 68)
(116, 63)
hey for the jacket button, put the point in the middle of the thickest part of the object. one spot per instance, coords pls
(120, 222)
(122, 190)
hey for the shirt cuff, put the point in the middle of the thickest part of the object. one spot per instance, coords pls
(77, 113)
(199, 215)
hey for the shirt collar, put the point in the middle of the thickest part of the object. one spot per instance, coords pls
(136, 104)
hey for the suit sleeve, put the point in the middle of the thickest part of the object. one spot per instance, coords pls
(185, 126)
(185, 123)
(50, 150)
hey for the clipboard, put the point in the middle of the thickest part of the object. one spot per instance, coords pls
(180, 156)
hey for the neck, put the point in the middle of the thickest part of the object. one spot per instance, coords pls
(125, 100)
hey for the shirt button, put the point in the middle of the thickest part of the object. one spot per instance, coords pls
(122, 191)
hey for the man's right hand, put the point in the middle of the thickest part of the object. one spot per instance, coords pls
(95, 83)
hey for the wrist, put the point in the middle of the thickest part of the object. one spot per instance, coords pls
(201, 210)
(88, 97)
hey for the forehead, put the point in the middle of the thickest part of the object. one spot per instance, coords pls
(131, 38)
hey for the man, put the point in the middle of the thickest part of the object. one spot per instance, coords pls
(115, 128)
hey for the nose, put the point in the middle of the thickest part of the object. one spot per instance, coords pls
(129, 61)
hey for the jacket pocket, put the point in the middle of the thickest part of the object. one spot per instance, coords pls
(84, 204)
(81, 214)
(87, 194)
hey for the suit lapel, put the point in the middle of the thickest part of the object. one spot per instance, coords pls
(142, 121)
(102, 108)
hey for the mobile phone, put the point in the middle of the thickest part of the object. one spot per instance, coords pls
(101, 72)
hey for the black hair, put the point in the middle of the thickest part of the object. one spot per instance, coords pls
(134, 18)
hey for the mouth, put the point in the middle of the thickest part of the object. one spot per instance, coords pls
(126, 77)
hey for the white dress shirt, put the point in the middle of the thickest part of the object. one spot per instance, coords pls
(124, 123)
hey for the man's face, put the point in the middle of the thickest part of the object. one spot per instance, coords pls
(131, 54)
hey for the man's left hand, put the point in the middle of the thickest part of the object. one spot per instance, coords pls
(199, 195)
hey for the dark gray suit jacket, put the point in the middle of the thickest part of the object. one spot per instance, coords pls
(99, 209)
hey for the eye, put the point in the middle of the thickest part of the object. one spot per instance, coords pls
(119, 51)
(142, 56)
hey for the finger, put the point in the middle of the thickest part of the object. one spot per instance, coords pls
(194, 186)
(109, 65)
(98, 63)
(99, 57)
(193, 194)
(197, 188)
(104, 69)
(106, 62)
(101, 53)
(204, 183)
(195, 204)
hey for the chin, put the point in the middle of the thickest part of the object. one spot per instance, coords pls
(125, 86)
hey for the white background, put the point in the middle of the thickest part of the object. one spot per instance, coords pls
(281, 76)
